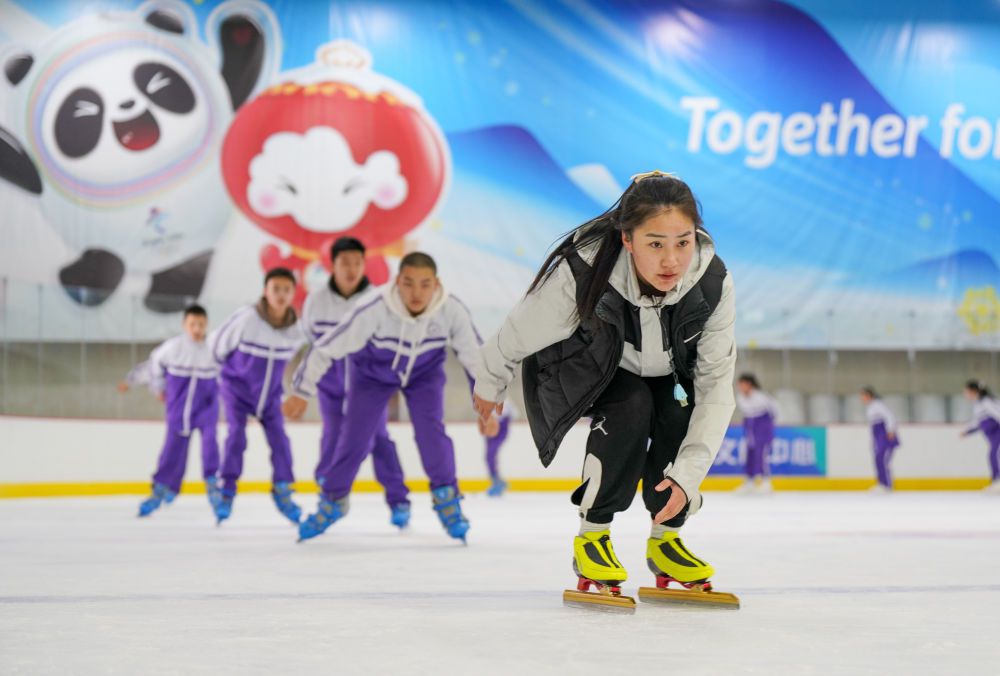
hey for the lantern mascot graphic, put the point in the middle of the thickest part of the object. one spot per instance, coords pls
(117, 121)
(334, 150)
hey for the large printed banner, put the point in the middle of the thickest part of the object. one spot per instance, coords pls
(847, 157)
(796, 451)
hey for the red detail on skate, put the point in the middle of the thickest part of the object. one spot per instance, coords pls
(663, 582)
(584, 584)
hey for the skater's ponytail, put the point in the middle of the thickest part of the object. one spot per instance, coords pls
(977, 386)
(648, 195)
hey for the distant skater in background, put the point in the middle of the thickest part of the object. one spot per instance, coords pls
(496, 429)
(253, 347)
(885, 436)
(759, 411)
(183, 374)
(986, 419)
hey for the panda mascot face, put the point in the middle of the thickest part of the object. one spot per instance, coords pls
(121, 117)
(126, 122)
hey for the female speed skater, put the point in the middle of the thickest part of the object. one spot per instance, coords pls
(629, 322)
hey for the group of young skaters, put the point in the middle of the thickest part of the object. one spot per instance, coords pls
(364, 344)
(629, 323)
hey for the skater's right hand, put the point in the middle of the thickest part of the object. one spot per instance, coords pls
(485, 408)
(123, 386)
(294, 407)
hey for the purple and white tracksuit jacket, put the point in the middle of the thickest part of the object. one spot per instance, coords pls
(253, 355)
(184, 371)
(986, 419)
(759, 411)
(391, 350)
(324, 310)
(883, 422)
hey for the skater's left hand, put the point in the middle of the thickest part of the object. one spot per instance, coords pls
(489, 428)
(675, 503)
(485, 408)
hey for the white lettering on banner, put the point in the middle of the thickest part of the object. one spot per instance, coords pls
(833, 131)
(803, 452)
(731, 453)
(780, 451)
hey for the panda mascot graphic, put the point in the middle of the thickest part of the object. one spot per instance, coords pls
(117, 124)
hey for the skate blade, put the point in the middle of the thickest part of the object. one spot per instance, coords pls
(609, 603)
(690, 597)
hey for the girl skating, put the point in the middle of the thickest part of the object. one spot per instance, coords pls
(885, 437)
(986, 419)
(759, 411)
(630, 323)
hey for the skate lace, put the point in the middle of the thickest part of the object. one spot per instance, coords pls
(455, 514)
(327, 512)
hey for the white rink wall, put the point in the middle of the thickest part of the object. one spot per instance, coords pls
(53, 450)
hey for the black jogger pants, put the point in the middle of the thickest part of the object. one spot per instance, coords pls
(636, 431)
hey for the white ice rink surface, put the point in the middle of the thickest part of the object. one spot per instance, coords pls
(830, 583)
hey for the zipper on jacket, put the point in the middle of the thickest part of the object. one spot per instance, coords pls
(267, 382)
(186, 415)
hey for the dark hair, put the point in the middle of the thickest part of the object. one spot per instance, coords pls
(346, 244)
(279, 273)
(870, 391)
(979, 388)
(751, 379)
(418, 259)
(645, 197)
(195, 310)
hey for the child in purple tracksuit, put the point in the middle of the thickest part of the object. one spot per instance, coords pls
(323, 311)
(396, 338)
(253, 347)
(884, 435)
(183, 373)
(986, 419)
(759, 411)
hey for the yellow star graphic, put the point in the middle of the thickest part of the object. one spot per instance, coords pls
(980, 310)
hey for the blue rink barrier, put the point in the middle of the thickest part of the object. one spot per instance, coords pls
(796, 451)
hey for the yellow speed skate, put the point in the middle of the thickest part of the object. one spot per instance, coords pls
(670, 561)
(596, 565)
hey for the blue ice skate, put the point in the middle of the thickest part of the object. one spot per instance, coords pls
(282, 494)
(160, 495)
(327, 513)
(446, 504)
(497, 487)
(212, 490)
(225, 505)
(400, 515)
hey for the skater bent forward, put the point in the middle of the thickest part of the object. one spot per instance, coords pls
(630, 323)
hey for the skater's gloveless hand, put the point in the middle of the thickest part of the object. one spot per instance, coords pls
(675, 503)
(294, 407)
(489, 428)
(485, 408)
